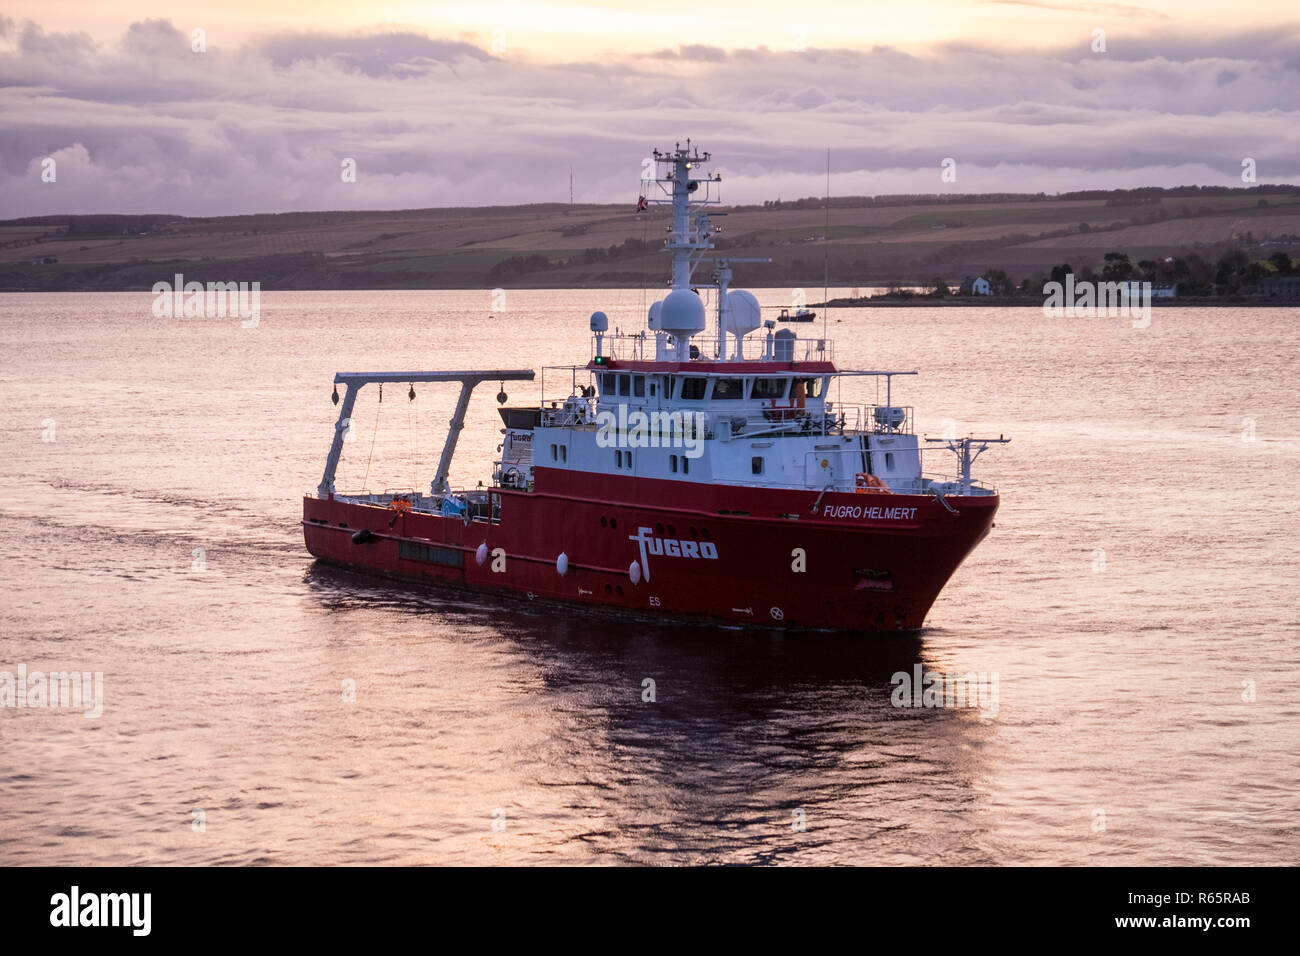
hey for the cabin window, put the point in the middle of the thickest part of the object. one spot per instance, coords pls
(638, 386)
(607, 383)
(812, 386)
(622, 384)
(756, 464)
(627, 460)
(686, 465)
(672, 464)
(555, 454)
(726, 389)
(618, 459)
(768, 388)
(564, 453)
(889, 461)
(693, 388)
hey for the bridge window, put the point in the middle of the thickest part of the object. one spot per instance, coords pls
(812, 387)
(693, 388)
(622, 384)
(766, 388)
(638, 386)
(607, 383)
(726, 389)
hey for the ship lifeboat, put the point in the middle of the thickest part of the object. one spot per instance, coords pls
(865, 484)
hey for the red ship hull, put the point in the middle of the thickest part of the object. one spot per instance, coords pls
(740, 555)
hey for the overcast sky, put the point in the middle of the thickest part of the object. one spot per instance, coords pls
(469, 104)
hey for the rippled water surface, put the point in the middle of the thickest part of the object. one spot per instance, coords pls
(1137, 601)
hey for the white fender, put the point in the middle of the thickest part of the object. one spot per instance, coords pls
(562, 564)
(481, 554)
(634, 572)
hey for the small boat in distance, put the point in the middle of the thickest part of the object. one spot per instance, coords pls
(736, 477)
(800, 315)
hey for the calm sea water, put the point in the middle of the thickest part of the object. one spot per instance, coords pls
(1137, 601)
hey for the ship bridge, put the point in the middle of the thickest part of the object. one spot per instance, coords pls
(753, 422)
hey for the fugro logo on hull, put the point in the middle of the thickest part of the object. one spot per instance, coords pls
(671, 548)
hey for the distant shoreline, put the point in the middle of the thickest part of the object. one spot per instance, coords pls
(983, 301)
(910, 242)
(863, 302)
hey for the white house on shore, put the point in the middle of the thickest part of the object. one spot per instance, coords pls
(976, 286)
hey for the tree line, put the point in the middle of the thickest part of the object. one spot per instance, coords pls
(1232, 273)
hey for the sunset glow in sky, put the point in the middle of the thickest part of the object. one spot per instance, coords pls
(578, 30)
(469, 103)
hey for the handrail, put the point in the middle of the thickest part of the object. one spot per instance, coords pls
(632, 347)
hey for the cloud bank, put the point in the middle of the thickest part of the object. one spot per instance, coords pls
(148, 125)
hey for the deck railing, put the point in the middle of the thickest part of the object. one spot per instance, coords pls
(644, 347)
(751, 419)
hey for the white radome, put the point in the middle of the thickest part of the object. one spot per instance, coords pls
(681, 313)
(741, 315)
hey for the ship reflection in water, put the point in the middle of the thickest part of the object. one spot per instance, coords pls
(597, 738)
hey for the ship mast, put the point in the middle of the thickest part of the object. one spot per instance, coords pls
(687, 237)
(683, 185)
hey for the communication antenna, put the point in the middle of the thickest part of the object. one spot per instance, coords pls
(826, 238)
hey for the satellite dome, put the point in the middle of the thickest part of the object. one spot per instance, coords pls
(740, 316)
(599, 322)
(742, 312)
(681, 313)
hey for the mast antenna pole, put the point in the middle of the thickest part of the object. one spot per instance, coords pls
(826, 262)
